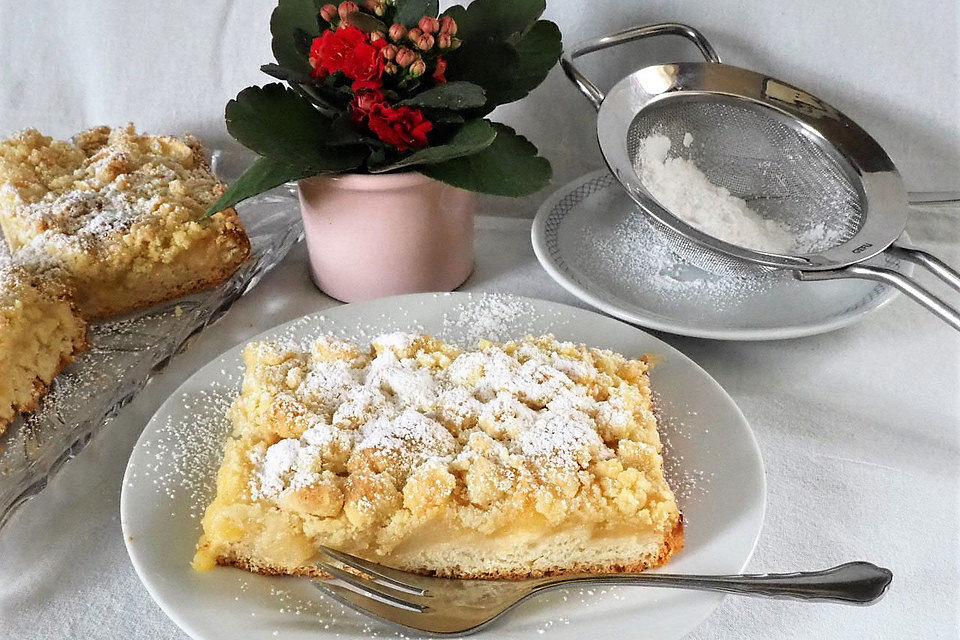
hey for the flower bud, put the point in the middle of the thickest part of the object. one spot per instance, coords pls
(328, 12)
(376, 7)
(428, 24)
(448, 25)
(346, 8)
(390, 68)
(454, 44)
(417, 68)
(439, 70)
(376, 35)
(397, 32)
(425, 42)
(405, 57)
(444, 40)
(389, 52)
(414, 34)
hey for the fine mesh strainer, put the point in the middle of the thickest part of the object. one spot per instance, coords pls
(792, 157)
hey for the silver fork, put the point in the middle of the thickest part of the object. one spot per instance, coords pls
(446, 606)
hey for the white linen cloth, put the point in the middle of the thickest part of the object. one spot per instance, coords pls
(892, 66)
(858, 428)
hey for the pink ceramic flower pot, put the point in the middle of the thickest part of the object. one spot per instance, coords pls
(370, 236)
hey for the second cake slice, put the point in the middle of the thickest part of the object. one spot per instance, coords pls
(117, 216)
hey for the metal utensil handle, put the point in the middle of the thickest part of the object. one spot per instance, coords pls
(850, 583)
(589, 89)
(928, 261)
(909, 286)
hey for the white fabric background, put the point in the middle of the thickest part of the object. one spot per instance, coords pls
(892, 65)
(859, 428)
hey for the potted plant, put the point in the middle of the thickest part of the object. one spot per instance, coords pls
(382, 122)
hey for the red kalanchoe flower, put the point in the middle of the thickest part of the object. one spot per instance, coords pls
(318, 70)
(362, 103)
(332, 48)
(365, 66)
(438, 72)
(401, 127)
(349, 50)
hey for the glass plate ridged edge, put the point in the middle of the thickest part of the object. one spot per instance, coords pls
(126, 352)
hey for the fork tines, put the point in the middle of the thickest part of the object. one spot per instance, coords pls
(369, 580)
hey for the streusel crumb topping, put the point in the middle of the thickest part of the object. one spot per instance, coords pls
(73, 195)
(383, 438)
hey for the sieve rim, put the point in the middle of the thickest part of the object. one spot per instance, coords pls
(874, 174)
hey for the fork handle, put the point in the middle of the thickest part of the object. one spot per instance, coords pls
(859, 583)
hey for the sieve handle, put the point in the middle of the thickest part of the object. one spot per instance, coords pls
(907, 285)
(928, 261)
(589, 89)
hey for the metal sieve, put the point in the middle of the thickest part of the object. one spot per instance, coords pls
(792, 157)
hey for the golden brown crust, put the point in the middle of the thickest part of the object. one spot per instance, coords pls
(671, 544)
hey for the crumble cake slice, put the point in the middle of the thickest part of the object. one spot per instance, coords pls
(118, 216)
(40, 333)
(531, 458)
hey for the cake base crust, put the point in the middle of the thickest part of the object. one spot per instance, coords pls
(671, 544)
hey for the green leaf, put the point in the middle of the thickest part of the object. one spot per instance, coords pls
(496, 19)
(442, 116)
(452, 95)
(282, 73)
(409, 12)
(264, 174)
(303, 84)
(510, 166)
(491, 64)
(303, 41)
(287, 18)
(310, 93)
(278, 123)
(365, 22)
(505, 50)
(470, 138)
(539, 49)
(342, 132)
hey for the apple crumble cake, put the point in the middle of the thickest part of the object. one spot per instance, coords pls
(40, 332)
(529, 458)
(117, 215)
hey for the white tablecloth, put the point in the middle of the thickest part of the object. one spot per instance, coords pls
(860, 432)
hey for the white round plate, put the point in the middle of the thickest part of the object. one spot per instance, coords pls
(592, 239)
(713, 461)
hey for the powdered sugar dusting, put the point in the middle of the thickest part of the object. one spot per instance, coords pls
(489, 316)
(523, 400)
(636, 255)
(686, 192)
